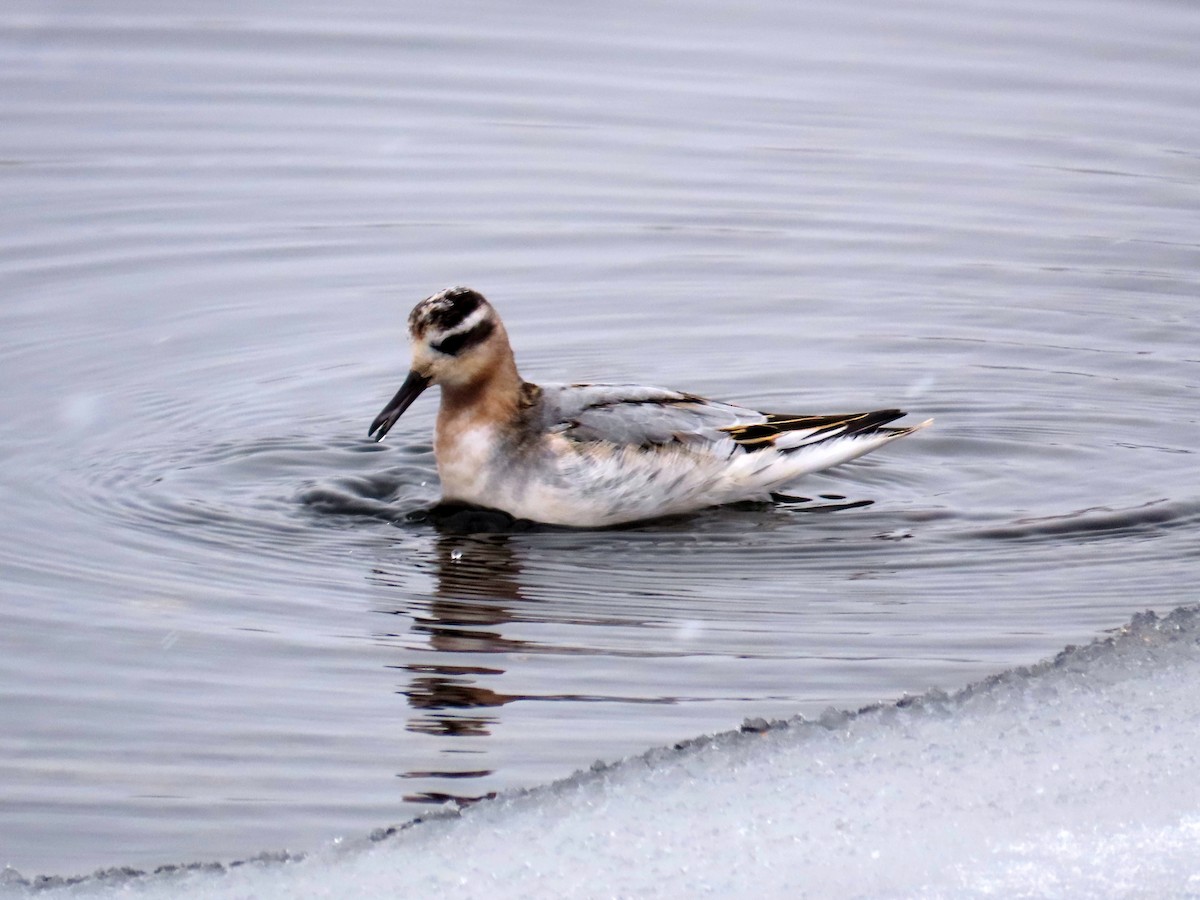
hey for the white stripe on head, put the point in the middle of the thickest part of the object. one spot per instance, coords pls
(483, 311)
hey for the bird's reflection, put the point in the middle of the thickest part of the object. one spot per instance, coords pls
(476, 582)
(458, 641)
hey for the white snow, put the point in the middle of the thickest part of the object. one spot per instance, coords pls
(1079, 777)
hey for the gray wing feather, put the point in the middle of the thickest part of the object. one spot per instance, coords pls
(637, 414)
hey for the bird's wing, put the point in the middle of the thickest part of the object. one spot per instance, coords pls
(639, 415)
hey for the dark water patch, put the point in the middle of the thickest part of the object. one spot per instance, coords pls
(1100, 523)
(358, 497)
(388, 495)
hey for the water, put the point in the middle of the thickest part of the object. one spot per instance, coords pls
(220, 635)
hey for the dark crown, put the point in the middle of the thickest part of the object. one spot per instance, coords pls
(445, 310)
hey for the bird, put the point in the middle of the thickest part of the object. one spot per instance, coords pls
(598, 455)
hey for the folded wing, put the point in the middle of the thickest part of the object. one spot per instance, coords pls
(640, 415)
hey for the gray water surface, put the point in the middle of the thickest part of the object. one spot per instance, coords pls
(220, 633)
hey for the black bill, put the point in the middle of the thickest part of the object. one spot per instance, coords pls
(409, 391)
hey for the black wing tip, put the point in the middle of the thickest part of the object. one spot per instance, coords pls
(760, 435)
(873, 420)
(855, 422)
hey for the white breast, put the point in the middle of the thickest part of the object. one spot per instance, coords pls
(464, 464)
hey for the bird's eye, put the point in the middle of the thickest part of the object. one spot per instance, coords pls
(453, 344)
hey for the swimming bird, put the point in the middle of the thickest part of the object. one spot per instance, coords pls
(592, 455)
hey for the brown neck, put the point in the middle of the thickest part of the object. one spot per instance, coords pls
(494, 398)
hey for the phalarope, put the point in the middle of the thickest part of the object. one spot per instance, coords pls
(591, 455)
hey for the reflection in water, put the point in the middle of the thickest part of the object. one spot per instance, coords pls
(453, 694)
(456, 644)
(476, 583)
